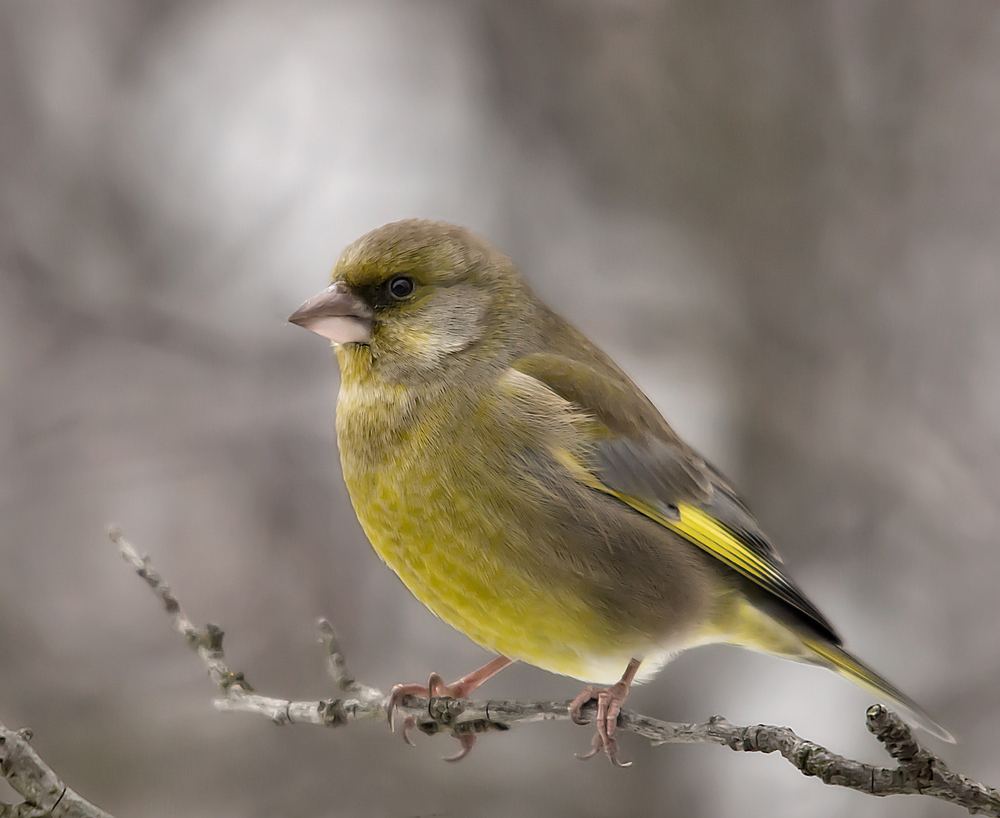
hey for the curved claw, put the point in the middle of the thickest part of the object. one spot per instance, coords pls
(598, 746)
(389, 710)
(436, 686)
(611, 750)
(575, 714)
(400, 692)
(466, 740)
(408, 724)
(603, 741)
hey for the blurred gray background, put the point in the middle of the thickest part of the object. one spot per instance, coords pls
(782, 218)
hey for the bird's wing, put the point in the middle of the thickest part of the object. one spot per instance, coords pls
(637, 459)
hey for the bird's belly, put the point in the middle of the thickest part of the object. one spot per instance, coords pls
(471, 563)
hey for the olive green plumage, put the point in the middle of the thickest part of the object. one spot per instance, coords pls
(526, 491)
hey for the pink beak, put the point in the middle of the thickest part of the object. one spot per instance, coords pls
(337, 314)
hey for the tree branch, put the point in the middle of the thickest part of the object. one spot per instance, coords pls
(43, 791)
(918, 771)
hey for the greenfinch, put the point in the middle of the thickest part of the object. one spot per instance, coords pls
(527, 492)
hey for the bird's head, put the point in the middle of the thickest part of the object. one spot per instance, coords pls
(420, 298)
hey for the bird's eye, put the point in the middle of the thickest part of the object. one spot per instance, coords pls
(400, 287)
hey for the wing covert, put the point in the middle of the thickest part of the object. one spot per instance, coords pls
(642, 463)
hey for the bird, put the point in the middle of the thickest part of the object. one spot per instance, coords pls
(528, 493)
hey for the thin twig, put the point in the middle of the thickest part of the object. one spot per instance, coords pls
(336, 665)
(918, 772)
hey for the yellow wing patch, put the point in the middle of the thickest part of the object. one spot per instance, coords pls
(700, 528)
(703, 530)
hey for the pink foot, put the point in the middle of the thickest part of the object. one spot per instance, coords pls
(436, 688)
(609, 705)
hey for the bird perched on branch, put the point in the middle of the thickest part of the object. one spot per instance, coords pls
(529, 494)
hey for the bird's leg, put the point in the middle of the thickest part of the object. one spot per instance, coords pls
(609, 705)
(436, 687)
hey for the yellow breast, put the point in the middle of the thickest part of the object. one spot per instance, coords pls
(453, 533)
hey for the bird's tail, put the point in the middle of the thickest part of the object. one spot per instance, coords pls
(852, 668)
(772, 629)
